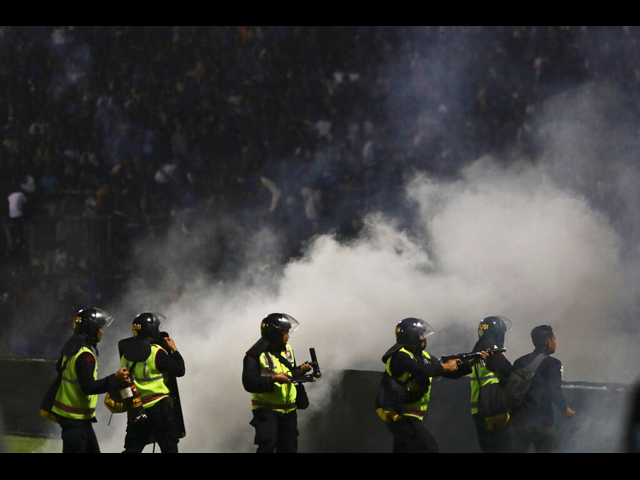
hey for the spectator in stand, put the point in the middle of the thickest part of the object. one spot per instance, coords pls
(17, 215)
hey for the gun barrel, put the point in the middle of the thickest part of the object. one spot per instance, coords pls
(470, 355)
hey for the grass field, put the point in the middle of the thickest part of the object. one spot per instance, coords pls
(19, 444)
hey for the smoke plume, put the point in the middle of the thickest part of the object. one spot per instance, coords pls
(549, 242)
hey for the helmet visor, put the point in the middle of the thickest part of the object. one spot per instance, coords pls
(288, 324)
(424, 328)
(162, 320)
(104, 318)
(508, 324)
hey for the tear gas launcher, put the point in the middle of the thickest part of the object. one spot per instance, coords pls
(300, 377)
(465, 357)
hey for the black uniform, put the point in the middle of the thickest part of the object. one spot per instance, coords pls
(532, 422)
(410, 434)
(160, 425)
(274, 431)
(633, 424)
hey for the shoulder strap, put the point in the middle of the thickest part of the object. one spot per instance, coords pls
(283, 360)
(132, 366)
(533, 366)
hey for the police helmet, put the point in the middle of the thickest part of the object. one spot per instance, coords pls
(409, 331)
(89, 321)
(275, 325)
(148, 325)
(495, 328)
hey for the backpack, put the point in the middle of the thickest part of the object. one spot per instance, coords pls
(392, 396)
(390, 399)
(519, 383)
(492, 405)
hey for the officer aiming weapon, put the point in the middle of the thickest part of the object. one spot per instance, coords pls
(465, 357)
(300, 377)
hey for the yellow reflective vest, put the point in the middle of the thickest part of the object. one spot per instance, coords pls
(147, 378)
(419, 408)
(282, 398)
(481, 376)
(71, 401)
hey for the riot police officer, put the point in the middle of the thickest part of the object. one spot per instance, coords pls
(488, 406)
(267, 370)
(150, 360)
(409, 363)
(71, 400)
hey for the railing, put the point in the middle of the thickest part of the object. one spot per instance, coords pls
(87, 239)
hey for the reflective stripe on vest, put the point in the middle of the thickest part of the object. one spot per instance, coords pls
(71, 401)
(416, 409)
(481, 376)
(283, 396)
(148, 379)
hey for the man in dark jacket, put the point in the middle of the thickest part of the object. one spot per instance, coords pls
(532, 422)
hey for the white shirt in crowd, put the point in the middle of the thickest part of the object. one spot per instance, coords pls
(16, 203)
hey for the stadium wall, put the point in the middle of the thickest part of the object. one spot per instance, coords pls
(349, 424)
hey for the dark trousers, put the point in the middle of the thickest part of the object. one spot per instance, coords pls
(275, 432)
(527, 434)
(78, 437)
(410, 435)
(493, 441)
(158, 427)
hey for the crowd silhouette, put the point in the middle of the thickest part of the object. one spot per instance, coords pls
(113, 135)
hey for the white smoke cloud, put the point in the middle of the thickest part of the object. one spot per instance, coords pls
(528, 241)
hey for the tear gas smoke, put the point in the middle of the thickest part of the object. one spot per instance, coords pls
(533, 242)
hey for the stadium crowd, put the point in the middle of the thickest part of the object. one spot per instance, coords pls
(300, 128)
